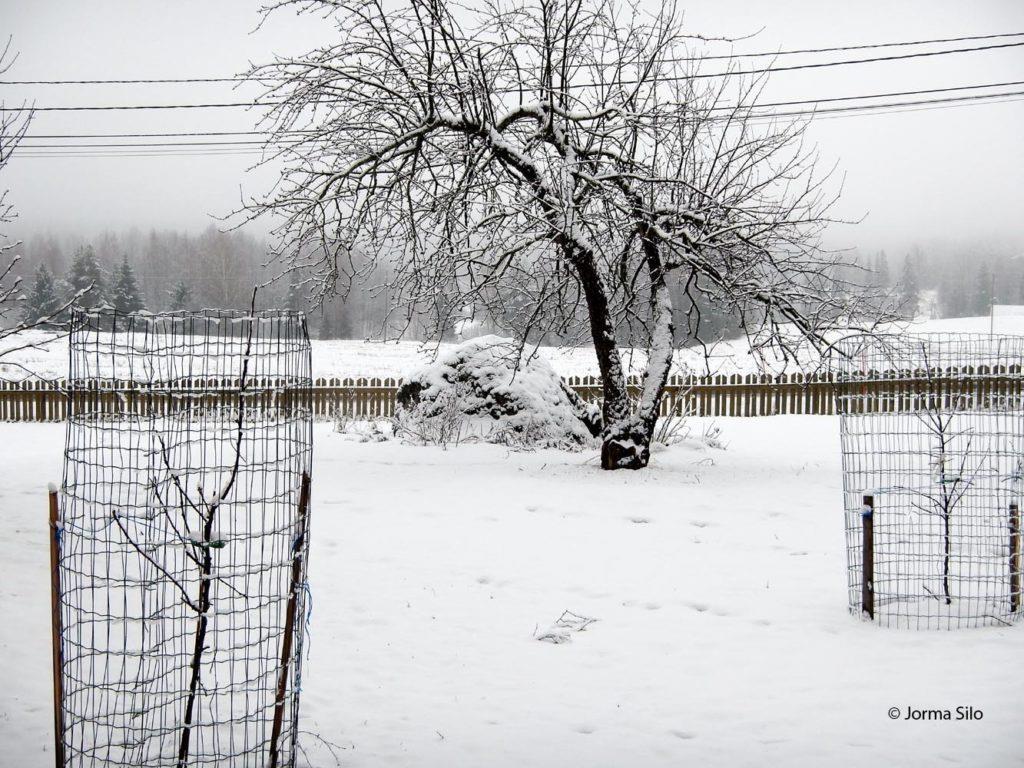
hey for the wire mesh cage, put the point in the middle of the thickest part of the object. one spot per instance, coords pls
(933, 442)
(182, 539)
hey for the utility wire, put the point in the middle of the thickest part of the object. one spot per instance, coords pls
(151, 135)
(214, 148)
(797, 51)
(252, 142)
(574, 86)
(829, 99)
(144, 153)
(879, 95)
(820, 64)
(138, 81)
(903, 43)
(867, 108)
(752, 109)
(218, 105)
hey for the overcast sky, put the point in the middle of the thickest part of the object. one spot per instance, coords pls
(940, 174)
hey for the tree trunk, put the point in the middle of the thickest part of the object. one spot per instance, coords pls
(205, 572)
(626, 440)
(615, 405)
(627, 443)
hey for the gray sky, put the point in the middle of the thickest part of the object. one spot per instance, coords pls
(941, 174)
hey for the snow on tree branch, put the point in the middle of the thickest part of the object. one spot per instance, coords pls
(559, 166)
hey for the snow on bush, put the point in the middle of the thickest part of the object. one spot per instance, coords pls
(482, 388)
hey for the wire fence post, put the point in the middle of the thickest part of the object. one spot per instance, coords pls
(295, 587)
(55, 628)
(1015, 557)
(867, 517)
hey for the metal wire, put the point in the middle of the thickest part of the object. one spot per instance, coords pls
(182, 531)
(933, 442)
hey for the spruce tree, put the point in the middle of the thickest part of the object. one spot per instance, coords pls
(882, 278)
(982, 299)
(326, 322)
(124, 290)
(43, 300)
(85, 274)
(180, 296)
(910, 289)
(294, 299)
(952, 296)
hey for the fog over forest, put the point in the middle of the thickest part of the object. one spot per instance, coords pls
(177, 270)
(942, 237)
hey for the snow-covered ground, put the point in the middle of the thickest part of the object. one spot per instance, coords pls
(716, 577)
(48, 358)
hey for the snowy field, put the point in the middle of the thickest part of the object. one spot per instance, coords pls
(340, 358)
(716, 578)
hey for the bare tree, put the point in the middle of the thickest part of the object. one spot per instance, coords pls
(549, 162)
(13, 126)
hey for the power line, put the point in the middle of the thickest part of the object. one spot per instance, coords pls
(146, 153)
(753, 108)
(879, 95)
(136, 81)
(923, 103)
(574, 86)
(797, 51)
(256, 142)
(901, 110)
(204, 134)
(904, 43)
(149, 135)
(147, 106)
(821, 64)
(205, 149)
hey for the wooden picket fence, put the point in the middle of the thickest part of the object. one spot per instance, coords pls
(722, 395)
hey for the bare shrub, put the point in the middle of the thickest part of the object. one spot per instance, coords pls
(441, 421)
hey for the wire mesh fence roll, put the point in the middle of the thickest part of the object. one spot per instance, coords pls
(183, 538)
(932, 430)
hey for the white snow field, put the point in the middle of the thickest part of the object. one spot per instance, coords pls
(43, 356)
(716, 577)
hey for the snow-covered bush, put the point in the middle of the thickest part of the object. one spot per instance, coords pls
(483, 390)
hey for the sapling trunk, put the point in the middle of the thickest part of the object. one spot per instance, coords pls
(205, 579)
(206, 562)
(947, 503)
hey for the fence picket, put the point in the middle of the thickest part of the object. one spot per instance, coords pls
(718, 395)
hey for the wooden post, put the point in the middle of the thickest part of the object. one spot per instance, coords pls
(55, 628)
(868, 560)
(289, 621)
(1015, 558)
